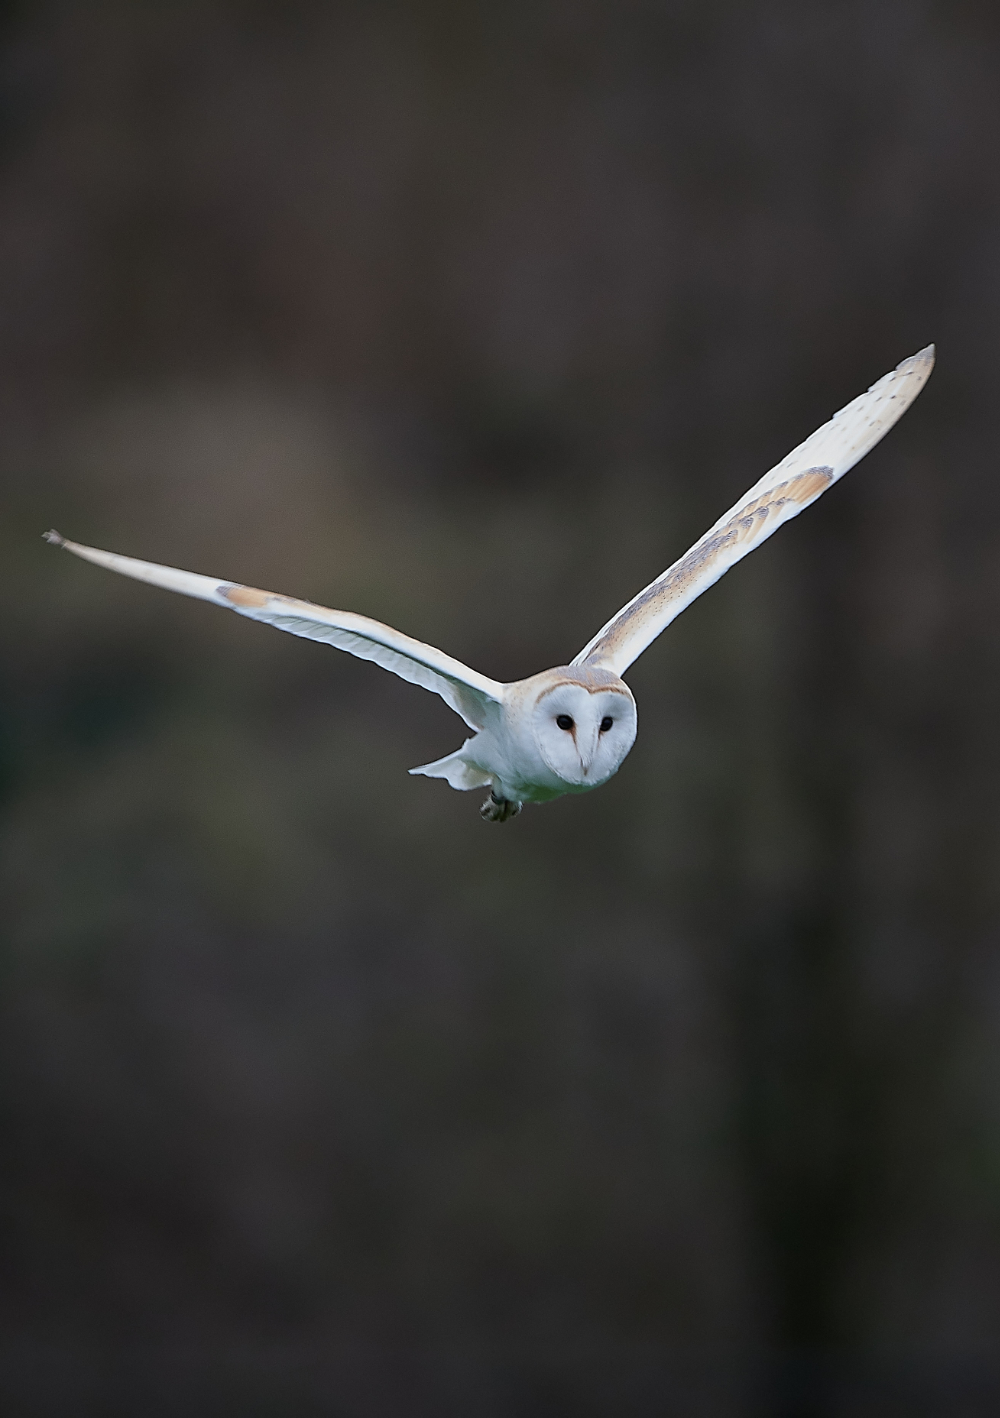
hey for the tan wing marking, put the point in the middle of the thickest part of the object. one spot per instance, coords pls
(746, 525)
(253, 600)
(247, 596)
(806, 486)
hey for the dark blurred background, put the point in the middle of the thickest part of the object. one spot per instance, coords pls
(318, 1095)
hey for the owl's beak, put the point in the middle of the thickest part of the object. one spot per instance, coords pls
(587, 755)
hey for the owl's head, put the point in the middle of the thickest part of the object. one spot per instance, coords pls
(584, 723)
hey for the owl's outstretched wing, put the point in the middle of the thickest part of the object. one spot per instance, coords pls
(469, 693)
(781, 494)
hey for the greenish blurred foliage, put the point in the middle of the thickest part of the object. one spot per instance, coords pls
(317, 1093)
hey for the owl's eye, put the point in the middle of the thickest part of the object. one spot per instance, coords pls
(606, 723)
(564, 721)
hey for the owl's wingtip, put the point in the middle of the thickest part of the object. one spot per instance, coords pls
(924, 356)
(53, 536)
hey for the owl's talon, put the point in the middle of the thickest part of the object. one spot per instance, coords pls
(496, 809)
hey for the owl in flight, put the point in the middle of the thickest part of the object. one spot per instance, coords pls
(568, 729)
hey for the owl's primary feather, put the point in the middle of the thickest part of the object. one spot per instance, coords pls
(568, 729)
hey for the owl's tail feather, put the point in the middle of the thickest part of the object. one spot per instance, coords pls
(459, 771)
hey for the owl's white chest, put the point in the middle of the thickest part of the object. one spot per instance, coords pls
(510, 755)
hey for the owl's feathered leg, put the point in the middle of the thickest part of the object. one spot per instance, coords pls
(496, 809)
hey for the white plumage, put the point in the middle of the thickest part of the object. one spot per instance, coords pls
(568, 729)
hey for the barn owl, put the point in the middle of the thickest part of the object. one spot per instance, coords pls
(568, 729)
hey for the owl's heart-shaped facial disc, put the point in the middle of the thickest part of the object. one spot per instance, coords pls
(583, 733)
